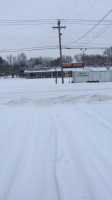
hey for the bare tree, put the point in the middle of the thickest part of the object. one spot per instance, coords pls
(11, 61)
(91, 60)
(108, 54)
(67, 59)
(22, 60)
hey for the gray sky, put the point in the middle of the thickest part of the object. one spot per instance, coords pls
(23, 36)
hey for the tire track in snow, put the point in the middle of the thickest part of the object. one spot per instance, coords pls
(57, 183)
(102, 132)
(107, 119)
(105, 155)
(87, 142)
(82, 177)
(7, 137)
(98, 119)
(39, 169)
(15, 159)
(102, 180)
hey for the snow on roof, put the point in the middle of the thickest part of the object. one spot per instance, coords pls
(86, 68)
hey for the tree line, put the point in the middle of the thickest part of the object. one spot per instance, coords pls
(12, 65)
(15, 65)
(91, 60)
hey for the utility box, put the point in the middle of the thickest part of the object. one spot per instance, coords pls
(91, 76)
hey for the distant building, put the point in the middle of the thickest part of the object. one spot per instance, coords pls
(46, 72)
(39, 71)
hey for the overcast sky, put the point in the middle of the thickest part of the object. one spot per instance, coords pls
(30, 36)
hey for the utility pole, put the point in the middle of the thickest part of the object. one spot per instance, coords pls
(61, 64)
(56, 73)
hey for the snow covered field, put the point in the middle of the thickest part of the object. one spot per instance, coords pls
(55, 140)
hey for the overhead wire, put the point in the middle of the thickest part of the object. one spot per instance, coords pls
(50, 21)
(44, 48)
(63, 9)
(82, 8)
(89, 9)
(75, 5)
(27, 49)
(79, 12)
(47, 21)
(90, 29)
(104, 29)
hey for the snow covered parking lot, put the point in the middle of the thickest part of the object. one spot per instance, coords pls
(55, 140)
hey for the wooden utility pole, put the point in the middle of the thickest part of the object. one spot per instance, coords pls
(56, 73)
(61, 64)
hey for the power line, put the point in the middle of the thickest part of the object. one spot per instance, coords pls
(75, 5)
(66, 3)
(43, 37)
(100, 33)
(50, 21)
(104, 29)
(91, 7)
(18, 24)
(47, 48)
(82, 47)
(80, 12)
(90, 29)
(82, 7)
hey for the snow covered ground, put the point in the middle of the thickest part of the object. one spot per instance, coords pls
(55, 140)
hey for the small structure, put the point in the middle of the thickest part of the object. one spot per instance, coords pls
(39, 71)
(92, 76)
(33, 73)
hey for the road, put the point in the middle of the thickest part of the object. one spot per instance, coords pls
(55, 147)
